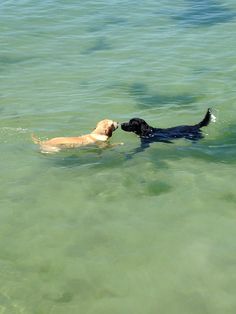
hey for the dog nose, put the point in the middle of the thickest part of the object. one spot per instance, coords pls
(123, 126)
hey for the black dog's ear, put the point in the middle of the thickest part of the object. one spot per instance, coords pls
(145, 130)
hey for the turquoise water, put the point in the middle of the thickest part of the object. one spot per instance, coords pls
(91, 230)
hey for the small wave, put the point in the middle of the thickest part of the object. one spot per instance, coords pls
(9, 130)
(9, 133)
(222, 146)
(213, 118)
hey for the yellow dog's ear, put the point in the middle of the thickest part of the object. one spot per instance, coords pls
(109, 130)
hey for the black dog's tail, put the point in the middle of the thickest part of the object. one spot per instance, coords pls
(207, 119)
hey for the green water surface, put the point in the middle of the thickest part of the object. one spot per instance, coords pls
(107, 231)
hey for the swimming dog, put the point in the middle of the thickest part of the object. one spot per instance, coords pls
(99, 135)
(150, 134)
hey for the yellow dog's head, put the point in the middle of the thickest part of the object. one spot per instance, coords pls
(106, 127)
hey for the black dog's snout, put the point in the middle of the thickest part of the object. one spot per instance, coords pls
(123, 126)
(126, 126)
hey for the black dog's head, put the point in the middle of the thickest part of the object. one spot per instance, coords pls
(138, 126)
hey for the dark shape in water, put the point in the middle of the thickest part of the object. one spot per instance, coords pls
(101, 23)
(99, 45)
(203, 12)
(6, 60)
(12, 60)
(156, 188)
(147, 99)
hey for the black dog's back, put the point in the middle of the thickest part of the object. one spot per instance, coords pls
(191, 132)
(151, 134)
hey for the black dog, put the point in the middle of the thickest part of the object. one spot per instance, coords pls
(150, 134)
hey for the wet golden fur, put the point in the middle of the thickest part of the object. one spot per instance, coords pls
(99, 135)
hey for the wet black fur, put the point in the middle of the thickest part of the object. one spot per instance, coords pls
(150, 134)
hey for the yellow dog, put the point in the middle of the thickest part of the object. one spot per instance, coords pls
(99, 135)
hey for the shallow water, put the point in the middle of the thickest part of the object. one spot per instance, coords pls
(110, 231)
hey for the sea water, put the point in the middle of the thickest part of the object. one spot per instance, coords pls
(103, 231)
